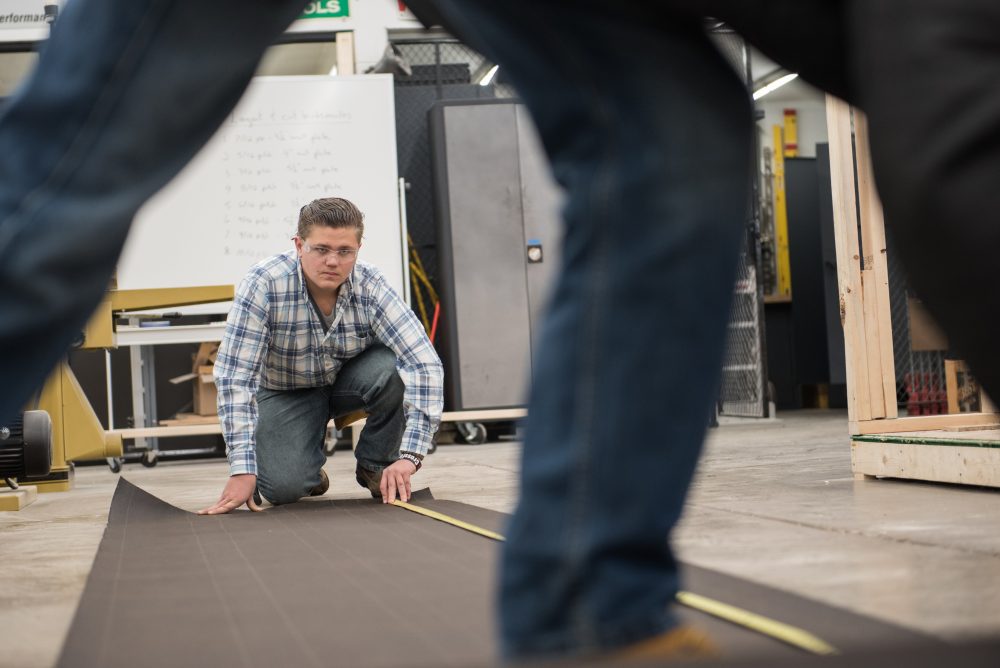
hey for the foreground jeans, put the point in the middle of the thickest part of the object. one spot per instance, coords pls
(649, 131)
(125, 93)
(291, 425)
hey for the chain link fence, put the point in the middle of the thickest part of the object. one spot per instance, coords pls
(920, 381)
(742, 392)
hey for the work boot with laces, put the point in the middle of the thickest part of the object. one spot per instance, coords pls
(370, 480)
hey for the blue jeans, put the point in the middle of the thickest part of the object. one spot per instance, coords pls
(125, 93)
(649, 131)
(291, 425)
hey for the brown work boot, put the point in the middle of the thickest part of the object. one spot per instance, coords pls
(370, 480)
(324, 484)
(681, 642)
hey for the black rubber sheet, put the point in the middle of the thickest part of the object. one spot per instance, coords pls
(355, 583)
(345, 583)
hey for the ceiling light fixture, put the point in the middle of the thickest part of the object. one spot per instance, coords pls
(488, 77)
(774, 85)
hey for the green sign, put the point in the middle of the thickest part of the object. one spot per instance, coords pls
(326, 9)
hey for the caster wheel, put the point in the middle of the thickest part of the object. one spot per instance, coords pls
(149, 459)
(473, 433)
(115, 464)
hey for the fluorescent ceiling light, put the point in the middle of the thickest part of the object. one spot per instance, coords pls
(774, 85)
(488, 77)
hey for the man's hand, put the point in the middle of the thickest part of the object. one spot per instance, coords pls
(239, 490)
(396, 480)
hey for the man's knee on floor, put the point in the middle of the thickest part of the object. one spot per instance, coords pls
(279, 492)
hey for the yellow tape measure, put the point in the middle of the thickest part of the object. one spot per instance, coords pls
(449, 520)
(786, 633)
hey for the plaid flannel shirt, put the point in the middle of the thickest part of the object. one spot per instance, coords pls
(274, 339)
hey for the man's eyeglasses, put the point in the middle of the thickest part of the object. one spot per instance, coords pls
(325, 252)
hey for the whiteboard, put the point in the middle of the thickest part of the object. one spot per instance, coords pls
(290, 140)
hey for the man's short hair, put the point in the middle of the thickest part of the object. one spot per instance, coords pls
(331, 212)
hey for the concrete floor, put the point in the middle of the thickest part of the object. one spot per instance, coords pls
(774, 502)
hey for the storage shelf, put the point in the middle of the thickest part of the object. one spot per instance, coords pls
(152, 336)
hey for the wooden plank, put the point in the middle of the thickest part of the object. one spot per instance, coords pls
(210, 425)
(345, 53)
(15, 499)
(876, 288)
(168, 432)
(150, 298)
(345, 421)
(973, 431)
(845, 224)
(923, 423)
(184, 419)
(951, 384)
(937, 463)
(873, 351)
(485, 415)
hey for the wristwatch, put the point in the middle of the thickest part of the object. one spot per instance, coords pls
(412, 458)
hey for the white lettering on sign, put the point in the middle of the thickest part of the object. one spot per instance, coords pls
(324, 8)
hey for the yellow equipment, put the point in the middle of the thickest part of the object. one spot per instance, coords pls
(77, 434)
(784, 266)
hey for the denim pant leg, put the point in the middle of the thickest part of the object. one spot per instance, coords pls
(291, 428)
(370, 382)
(124, 94)
(649, 130)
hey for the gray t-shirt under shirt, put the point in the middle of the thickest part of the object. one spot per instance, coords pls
(326, 320)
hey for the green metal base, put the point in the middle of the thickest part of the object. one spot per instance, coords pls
(926, 440)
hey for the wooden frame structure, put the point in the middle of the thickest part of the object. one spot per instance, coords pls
(958, 448)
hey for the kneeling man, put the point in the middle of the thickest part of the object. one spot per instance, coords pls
(313, 335)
